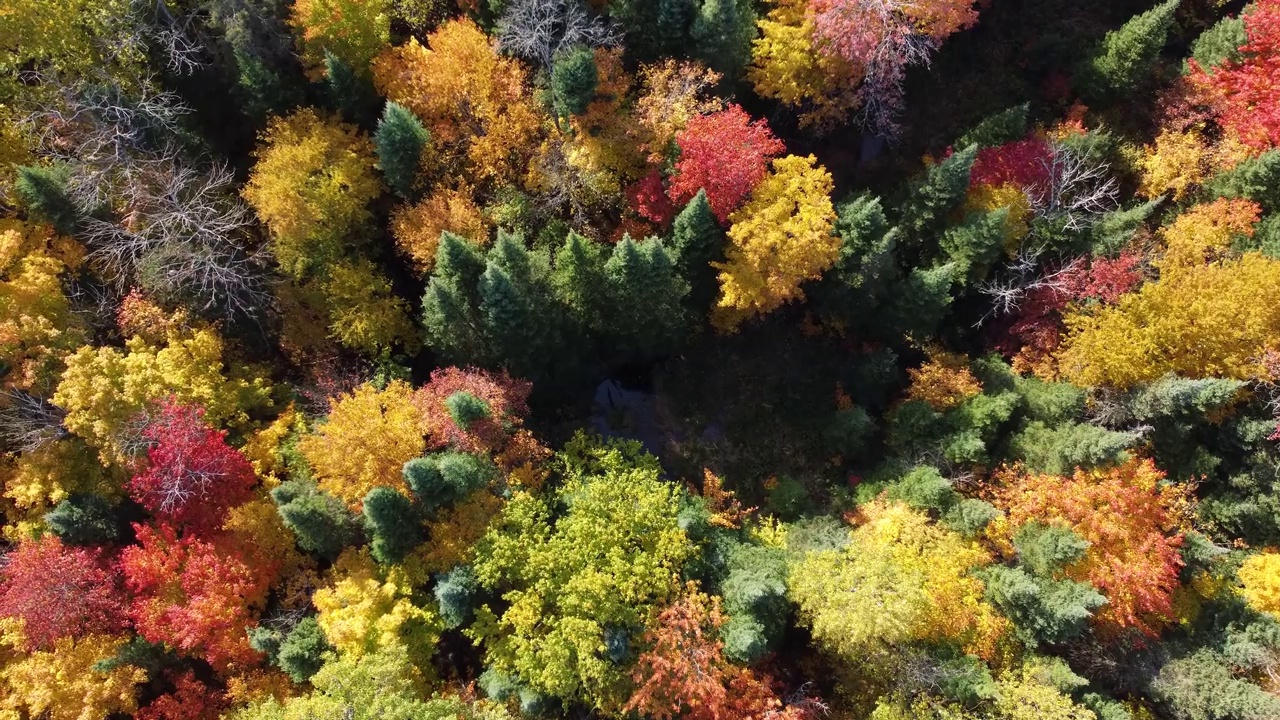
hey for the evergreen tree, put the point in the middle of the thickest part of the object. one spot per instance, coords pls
(696, 242)
(391, 524)
(84, 520)
(931, 199)
(466, 408)
(455, 593)
(578, 281)
(350, 93)
(1058, 449)
(449, 315)
(722, 31)
(321, 522)
(975, 244)
(1220, 43)
(513, 321)
(573, 80)
(998, 129)
(301, 652)
(645, 297)
(1114, 230)
(399, 141)
(43, 190)
(1126, 58)
(1256, 178)
(445, 478)
(921, 302)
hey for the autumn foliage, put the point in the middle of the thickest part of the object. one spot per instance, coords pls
(725, 153)
(58, 591)
(1245, 92)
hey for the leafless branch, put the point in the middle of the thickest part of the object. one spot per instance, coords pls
(28, 422)
(1078, 192)
(1020, 277)
(536, 30)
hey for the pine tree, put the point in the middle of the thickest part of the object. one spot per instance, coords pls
(645, 297)
(1220, 43)
(349, 93)
(1126, 58)
(1257, 179)
(573, 80)
(43, 190)
(931, 198)
(321, 522)
(722, 31)
(1114, 230)
(994, 130)
(455, 593)
(578, 281)
(84, 520)
(400, 140)
(696, 242)
(391, 524)
(301, 652)
(975, 244)
(922, 301)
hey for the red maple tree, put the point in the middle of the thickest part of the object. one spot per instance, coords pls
(59, 591)
(1025, 163)
(725, 153)
(190, 699)
(192, 476)
(506, 398)
(1246, 93)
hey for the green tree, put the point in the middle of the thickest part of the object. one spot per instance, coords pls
(645, 298)
(84, 520)
(1127, 56)
(696, 242)
(573, 80)
(43, 191)
(399, 142)
(321, 522)
(301, 653)
(392, 525)
(722, 31)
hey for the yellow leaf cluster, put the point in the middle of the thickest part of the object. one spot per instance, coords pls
(417, 227)
(369, 436)
(1176, 162)
(944, 381)
(362, 613)
(787, 67)
(364, 313)
(1260, 577)
(1204, 233)
(475, 102)
(38, 480)
(901, 579)
(779, 239)
(37, 327)
(672, 93)
(354, 31)
(605, 134)
(985, 198)
(1214, 320)
(452, 535)
(104, 390)
(61, 684)
(1025, 696)
(311, 185)
(263, 447)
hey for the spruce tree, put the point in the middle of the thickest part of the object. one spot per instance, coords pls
(931, 199)
(645, 297)
(722, 31)
(84, 520)
(301, 652)
(696, 242)
(321, 522)
(392, 525)
(350, 93)
(1256, 178)
(975, 244)
(455, 594)
(1127, 56)
(514, 322)
(399, 140)
(578, 281)
(43, 191)
(998, 129)
(573, 80)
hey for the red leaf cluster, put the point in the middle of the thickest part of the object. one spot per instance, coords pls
(648, 198)
(192, 477)
(192, 595)
(1246, 94)
(189, 700)
(725, 153)
(59, 591)
(1025, 163)
(506, 397)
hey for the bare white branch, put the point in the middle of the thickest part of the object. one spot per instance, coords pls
(535, 30)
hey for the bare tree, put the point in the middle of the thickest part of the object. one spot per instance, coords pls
(29, 422)
(1020, 277)
(897, 46)
(1079, 190)
(536, 30)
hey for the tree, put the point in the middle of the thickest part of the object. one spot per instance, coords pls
(58, 592)
(369, 435)
(1260, 576)
(311, 186)
(43, 190)
(887, 586)
(1130, 523)
(1127, 56)
(400, 141)
(354, 31)
(943, 382)
(363, 613)
(391, 523)
(64, 684)
(780, 239)
(38, 327)
(192, 595)
(645, 298)
(726, 154)
(684, 673)
(365, 314)
(322, 523)
(83, 519)
(475, 103)
(418, 228)
(505, 398)
(573, 80)
(192, 477)
(1242, 87)
(580, 586)
(722, 31)
(787, 66)
(105, 391)
(697, 243)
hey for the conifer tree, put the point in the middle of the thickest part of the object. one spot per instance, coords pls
(391, 524)
(696, 242)
(578, 281)
(932, 197)
(399, 141)
(573, 80)
(1127, 56)
(43, 190)
(321, 522)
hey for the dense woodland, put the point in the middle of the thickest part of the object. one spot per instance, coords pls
(640, 359)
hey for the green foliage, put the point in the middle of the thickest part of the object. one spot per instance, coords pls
(1059, 449)
(970, 516)
(722, 31)
(321, 522)
(998, 129)
(1220, 43)
(466, 408)
(645, 297)
(1256, 178)
(1047, 549)
(445, 478)
(1114, 230)
(391, 524)
(1202, 687)
(43, 191)
(399, 141)
(349, 92)
(455, 593)
(754, 589)
(976, 244)
(1044, 607)
(1127, 57)
(84, 520)
(301, 653)
(924, 489)
(573, 80)
(931, 198)
(696, 242)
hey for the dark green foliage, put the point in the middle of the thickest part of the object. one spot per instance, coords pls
(321, 522)
(350, 92)
(755, 599)
(578, 281)
(848, 431)
(645, 298)
(466, 408)
(399, 140)
(1105, 708)
(1202, 687)
(931, 198)
(1042, 610)
(976, 244)
(84, 520)
(1059, 449)
(1114, 230)
(1220, 43)
(788, 499)
(301, 653)
(1257, 179)
(573, 80)
(1174, 396)
(925, 489)
(722, 31)
(696, 242)
(1127, 57)
(43, 191)
(998, 129)
(502, 687)
(455, 594)
(441, 479)
(1049, 402)
(138, 652)
(923, 300)
(266, 641)
(391, 524)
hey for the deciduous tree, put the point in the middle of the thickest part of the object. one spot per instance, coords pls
(59, 592)
(726, 154)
